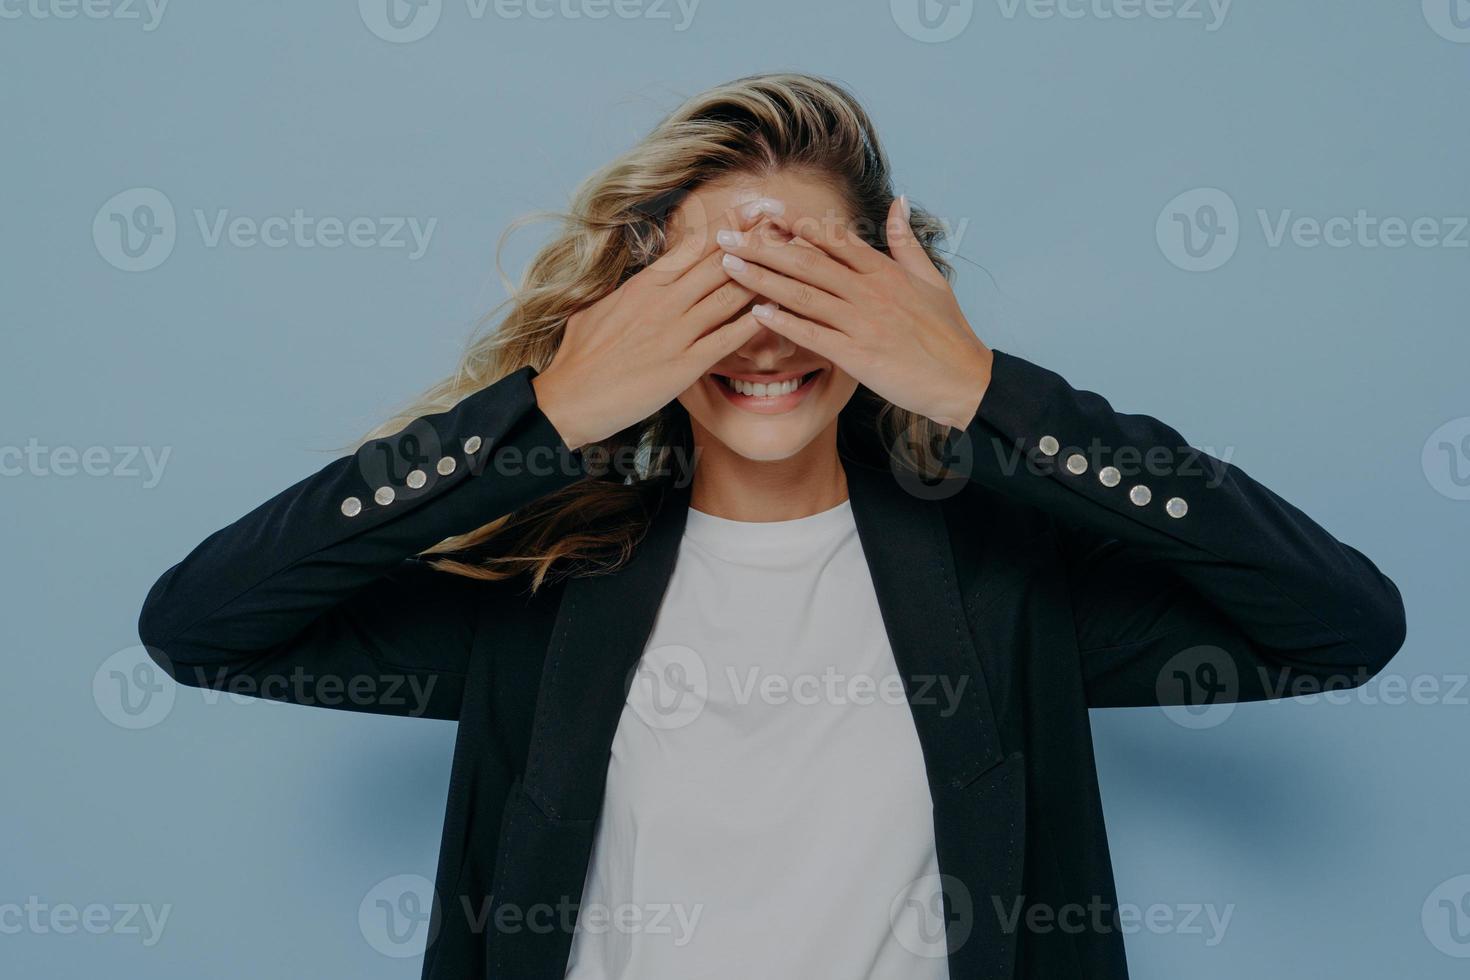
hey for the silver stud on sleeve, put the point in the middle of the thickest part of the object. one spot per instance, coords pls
(1109, 476)
(472, 445)
(445, 466)
(1076, 464)
(1176, 507)
(1140, 495)
(351, 507)
(416, 479)
(383, 496)
(1049, 445)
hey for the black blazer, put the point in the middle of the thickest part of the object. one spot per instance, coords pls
(1090, 559)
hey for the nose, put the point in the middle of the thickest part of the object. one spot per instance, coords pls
(766, 350)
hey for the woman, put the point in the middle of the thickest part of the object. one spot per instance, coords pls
(769, 600)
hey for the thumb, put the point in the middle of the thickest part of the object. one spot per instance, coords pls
(902, 243)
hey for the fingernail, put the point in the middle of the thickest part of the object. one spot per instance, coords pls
(903, 205)
(733, 262)
(764, 310)
(728, 238)
(762, 205)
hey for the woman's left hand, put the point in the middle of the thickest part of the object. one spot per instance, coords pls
(890, 321)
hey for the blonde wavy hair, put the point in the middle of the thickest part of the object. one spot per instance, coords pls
(615, 225)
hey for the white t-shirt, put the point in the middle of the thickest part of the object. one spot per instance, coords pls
(767, 813)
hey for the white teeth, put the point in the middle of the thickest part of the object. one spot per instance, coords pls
(757, 389)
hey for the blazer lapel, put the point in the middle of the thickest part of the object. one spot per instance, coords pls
(601, 629)
(550, 819)
(908, 552)
(978, 791)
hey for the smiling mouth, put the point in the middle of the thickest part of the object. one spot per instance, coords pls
(774, 395)
(765, 389)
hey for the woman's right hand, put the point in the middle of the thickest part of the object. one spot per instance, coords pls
(632, 352)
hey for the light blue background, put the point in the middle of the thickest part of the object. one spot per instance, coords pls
(1054, 142)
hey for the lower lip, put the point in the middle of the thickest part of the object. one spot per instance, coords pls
(767, 405)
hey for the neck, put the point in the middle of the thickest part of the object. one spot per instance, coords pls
(728, 485)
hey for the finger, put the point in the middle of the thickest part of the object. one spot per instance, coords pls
(822, 340)
(768, 247)
(721, 305)
(720, 343)
(904, 246)
(678, 258)
(835, 238)
(695, 236)
(700, 282)
(793, 294)
(706, 275)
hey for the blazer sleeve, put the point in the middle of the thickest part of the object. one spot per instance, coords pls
(316, 596)
(1190, 582)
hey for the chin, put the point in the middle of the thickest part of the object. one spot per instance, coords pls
(765, 446)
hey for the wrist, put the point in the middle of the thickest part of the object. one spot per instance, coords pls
(554, 404)
(972, 381)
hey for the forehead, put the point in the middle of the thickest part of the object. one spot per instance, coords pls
(804, 194)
